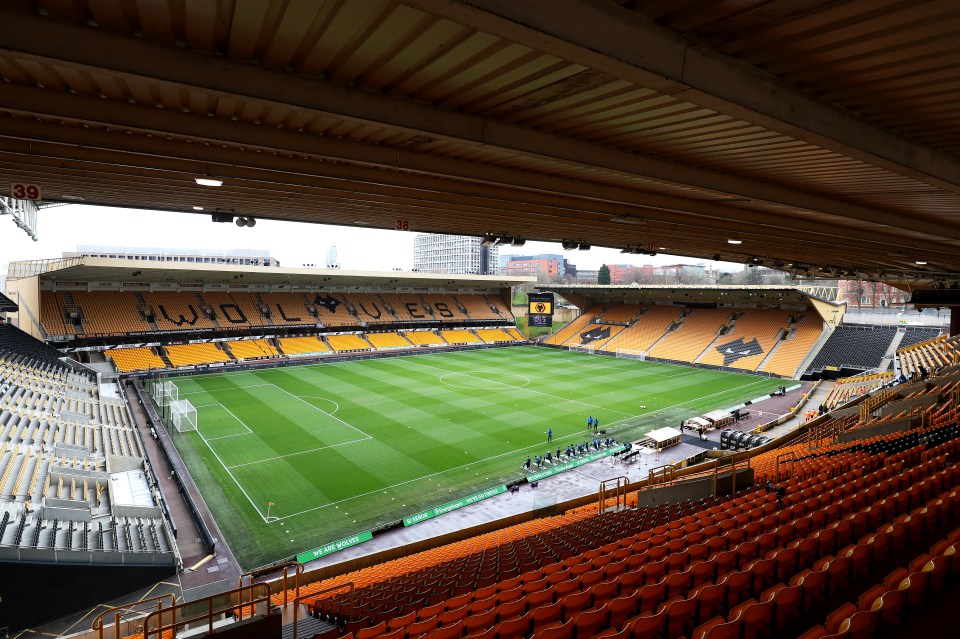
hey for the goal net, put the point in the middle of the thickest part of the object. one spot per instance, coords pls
(183, 416)
(583, 348)
(630, 354)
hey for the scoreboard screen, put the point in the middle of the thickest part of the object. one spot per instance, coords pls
(540, 309)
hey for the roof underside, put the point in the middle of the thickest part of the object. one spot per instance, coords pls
(819, 132)
(772, 296)
(106, 270)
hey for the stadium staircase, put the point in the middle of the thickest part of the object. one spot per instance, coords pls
(782, 337)
(721, 333)
(162, 354)
(146, 311)
(817, 347)
(887, 360)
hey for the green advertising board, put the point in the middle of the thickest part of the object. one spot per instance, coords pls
(592, 457)
(453, 505)
(334, 546)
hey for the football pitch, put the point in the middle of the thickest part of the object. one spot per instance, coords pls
(289, 459)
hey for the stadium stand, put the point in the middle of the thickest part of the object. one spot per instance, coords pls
(246, 349)
(854, 347)
(13, 340)
(176, 311)
(931, 354)
(699, 329)
(916, 334)
(424, 338)
(753, 330)
(460, 337)
(284, 309)
(228, 314)
(128, 360)
(302, 345)
(478, 308)
(56, 433)
(502, 308)
(347, 343)
(848, 387)
(446, 307)
(408, 307)
(388, 340)
(574, 327)
(795, 346)
(595, 335)
(618, 313)
(515, 334)
(97, 313)
(774, 559)
(194, 354)
(370, 308)
(651, 326)
(494, 335)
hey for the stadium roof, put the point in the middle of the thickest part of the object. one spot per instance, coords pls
(773, 295)
(95, 269)
(819, 134)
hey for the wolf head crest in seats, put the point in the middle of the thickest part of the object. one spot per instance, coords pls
(737, 349)
(594, 335)
(329, 302)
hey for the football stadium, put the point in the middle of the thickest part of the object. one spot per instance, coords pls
(212, 443)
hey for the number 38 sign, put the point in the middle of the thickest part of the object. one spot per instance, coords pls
(20, 191)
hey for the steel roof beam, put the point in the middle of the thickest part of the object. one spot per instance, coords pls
(603, 36)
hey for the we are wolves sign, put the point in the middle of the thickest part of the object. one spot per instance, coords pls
(333, 547)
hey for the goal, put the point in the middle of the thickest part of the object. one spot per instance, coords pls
(582, 348)
(630, 354)
(176, 412)
(183, 416)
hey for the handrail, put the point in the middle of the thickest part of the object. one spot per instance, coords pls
(666, 471)
(298, 600)
(298, 570)
(154, 626)
(733, 475)
(97, 623)
(619, 492)
(791, 457)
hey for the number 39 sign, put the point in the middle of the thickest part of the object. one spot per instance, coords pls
(21, 191)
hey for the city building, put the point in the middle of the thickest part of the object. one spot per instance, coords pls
(332, 261)
(453, 254)
(545, 265)
(871, 294)
(245, 257)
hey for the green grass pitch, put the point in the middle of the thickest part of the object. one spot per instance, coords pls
(344, 447)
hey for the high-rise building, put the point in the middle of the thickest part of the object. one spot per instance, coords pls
(454, 254)
(332, 257)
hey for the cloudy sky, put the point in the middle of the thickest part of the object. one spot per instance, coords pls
(63, 228)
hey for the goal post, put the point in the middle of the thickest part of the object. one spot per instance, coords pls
(631, 354)
(583, 348)
(174, 412)
(183, 416)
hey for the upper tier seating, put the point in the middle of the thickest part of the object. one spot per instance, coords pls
(685, 344)
(370, 308)
(478, 308)
(102, 313)
(854, 347)
(285, 309)
(177, 312)
(230, 314)
(446, 308)
(503, 309)
(135, 359)
(762, 325)
(916, 334)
